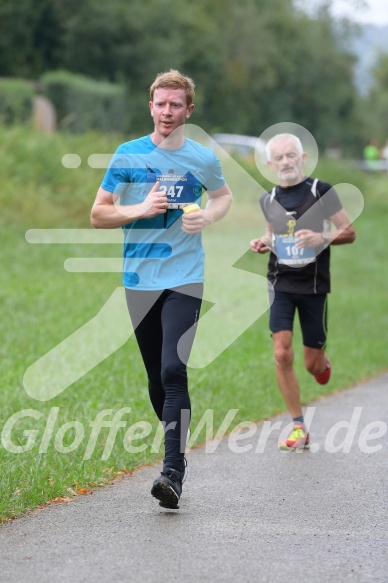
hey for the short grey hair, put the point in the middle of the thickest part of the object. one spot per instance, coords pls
(269, 144)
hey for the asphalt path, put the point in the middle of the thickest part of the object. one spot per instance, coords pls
(248, 513)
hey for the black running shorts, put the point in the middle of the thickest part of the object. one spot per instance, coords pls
(312, 311)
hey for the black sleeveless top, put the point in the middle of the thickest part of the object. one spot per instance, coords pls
(287, 210)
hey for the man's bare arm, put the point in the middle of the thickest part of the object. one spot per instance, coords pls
(105, 214)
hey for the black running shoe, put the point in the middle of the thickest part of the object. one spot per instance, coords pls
(168, 488)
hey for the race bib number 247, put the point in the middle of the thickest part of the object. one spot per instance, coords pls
(179, 188)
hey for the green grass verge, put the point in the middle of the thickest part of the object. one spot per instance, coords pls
(44, 304)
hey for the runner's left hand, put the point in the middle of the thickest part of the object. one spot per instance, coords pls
(307, 238)
(196, 222)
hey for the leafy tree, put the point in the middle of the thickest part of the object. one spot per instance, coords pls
(255, 62)
(376, 103)
(30, 37)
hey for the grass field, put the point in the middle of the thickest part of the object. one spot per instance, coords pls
(52, 450)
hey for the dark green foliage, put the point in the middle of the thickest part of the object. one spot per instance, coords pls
(376, 103)
(255, 62)
(83, 104)
(30, 37)
(16, 101)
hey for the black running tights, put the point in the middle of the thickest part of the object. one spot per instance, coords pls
(165, 324)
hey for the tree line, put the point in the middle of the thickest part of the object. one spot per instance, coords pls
(255, 62)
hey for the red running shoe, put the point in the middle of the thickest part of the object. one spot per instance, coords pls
(324, 377)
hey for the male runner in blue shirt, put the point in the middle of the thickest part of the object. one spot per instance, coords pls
(156, 177)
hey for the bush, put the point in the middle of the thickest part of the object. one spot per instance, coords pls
(16, 101)
(83, 104)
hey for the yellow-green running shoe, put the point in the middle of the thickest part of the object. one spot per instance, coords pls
(298, 439)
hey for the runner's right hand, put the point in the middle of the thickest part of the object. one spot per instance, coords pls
(155, 202)
(259, 246)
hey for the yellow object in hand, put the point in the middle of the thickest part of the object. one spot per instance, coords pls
(191, 208)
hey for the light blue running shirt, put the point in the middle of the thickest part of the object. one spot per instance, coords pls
(157, 253)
